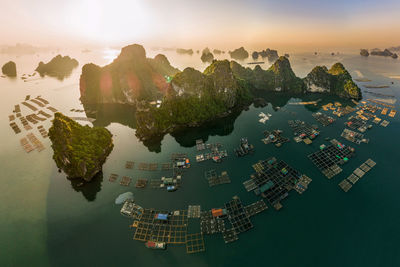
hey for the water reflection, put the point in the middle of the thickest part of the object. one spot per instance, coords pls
(89, 190)
(125, 115)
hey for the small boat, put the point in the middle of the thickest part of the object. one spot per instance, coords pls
(171, 188)
(155, 245)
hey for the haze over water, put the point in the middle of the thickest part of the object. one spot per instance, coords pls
(45, 220)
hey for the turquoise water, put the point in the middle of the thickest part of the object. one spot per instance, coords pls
(46, 220)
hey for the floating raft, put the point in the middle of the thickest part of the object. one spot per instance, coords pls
(42, 131)
(370, 162)
(26, 145)
(230, 236)
(385, 123)
(41, 112)
(324, 119)
(15, 128)
(237, 216)
(302, 184)
(44, 101)
(172, 230)
(249, 185)
(113, 177)
(345, 185)
(37, 102)
(17, 109)
(255, 208)
(156, 183)
(354, 137)
(357, 174)
(194, 211)
(214, 180)
(141, 183)
(200, 145)
(52, 109)
(195, 243)
(328, 158)
(166, 166)
(210, 224)
(125, 181)
(11, 117)
(129, 164)
(353, 178)
(35, 141)
(33, 108)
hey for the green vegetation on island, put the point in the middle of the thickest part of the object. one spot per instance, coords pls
(194, 98)
(191, 98)
(59, 67)
(130, 78)
(9, 69)
(80, 151)
(271, 54)
(206, 55)
(239, 53)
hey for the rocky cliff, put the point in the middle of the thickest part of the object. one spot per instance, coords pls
(80, 151)
(194, 98)
(59, 67)
(207, 56)
(239, 53)
(9, 69)
(279, 77)
(337, 80)
(130, 78)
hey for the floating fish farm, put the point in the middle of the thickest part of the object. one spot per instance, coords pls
(328, 158)
(274, 179)
(324, 119)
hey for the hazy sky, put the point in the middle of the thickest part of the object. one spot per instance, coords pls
(187, 23)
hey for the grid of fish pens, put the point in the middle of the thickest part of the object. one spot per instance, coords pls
(328, 158)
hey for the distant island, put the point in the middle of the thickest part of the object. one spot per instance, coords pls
(254, 55)
(59, 67)
(364, 52)
(217, 51)
(191, 98)
(206, 55)
(9, 69)
(80, 151)
(271, 54)
(184, 51)
(239, 53)
(129, 79)
(384, 53)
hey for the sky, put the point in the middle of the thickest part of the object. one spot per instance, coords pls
(226, 24)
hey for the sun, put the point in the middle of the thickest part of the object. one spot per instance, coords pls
(108, 21)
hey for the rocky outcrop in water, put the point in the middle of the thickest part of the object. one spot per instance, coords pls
(254, 55)
(130, 78)
(364, 52)
(207, 56)
(384, 53)
(217, 51)
(193, 98)
(279, 77)
(80, 151)
(9, 69)
(337, 81)
(239, 53)
(59, 67)
(184, 51)
(271, 54)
